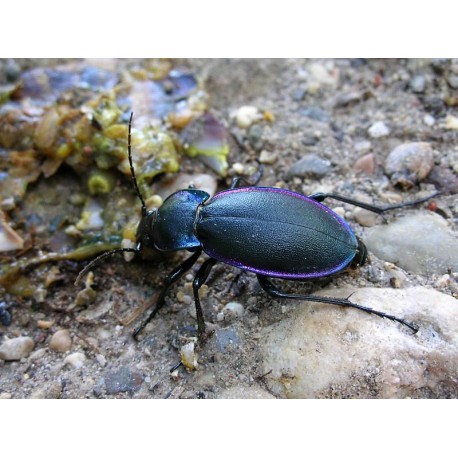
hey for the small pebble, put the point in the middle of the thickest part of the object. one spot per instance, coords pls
(52, 390)
(410, 163)
(233, 310)
(429, 120)
(365, 217)
(452, 80)
(192, 311)
(101, 359)
(363, 146)
(245, 116)
(444, 180)
(365, 164)
(315, 113)
(37, 354)
(45, 324)
(299, 95)
(266, 157)
(61, 341)
(451, 122)
(311, 165)
(239, 169)
(350, 98)
(339, 211)
(378, 129)
(188, 356)
(255, 136)
(5, 395)
(16, 349)
(40, 294)
(323, 74)
(418, 84)
(75, 360)
(310, 140)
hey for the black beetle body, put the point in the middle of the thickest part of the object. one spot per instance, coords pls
(275, 232)
(272, 232)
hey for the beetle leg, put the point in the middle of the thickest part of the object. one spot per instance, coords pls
(239, 182)
(270, 288)
(320, 196)
(199, 280)
(169, 280)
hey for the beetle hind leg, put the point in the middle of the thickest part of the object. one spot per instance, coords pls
(270, 288)
(320, 196)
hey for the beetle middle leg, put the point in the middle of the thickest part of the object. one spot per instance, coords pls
(270, 288)
(169, 280)
(199, 280)
(320, 196)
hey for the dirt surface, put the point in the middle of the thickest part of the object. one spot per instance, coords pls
(324, 107)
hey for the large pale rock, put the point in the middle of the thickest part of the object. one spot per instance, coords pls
(331, 351)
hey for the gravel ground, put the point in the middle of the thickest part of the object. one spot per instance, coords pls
(381, 131)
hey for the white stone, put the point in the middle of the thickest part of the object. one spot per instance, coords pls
(16, 349)
(378, 129)
(325, 350)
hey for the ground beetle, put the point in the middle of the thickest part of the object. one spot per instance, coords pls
(272, 232)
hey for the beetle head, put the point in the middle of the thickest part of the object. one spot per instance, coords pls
(145, 230)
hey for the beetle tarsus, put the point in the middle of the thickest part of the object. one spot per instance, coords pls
(270, 288)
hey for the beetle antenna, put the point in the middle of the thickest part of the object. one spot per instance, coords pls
(132, 171)
(99, 258)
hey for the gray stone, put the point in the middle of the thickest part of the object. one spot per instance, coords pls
(255, 136)
(16, 349)
(226, 339)
(444, 179)
(418, 84)
(315, 113)
(419, 243)
(323, 351)
(122, 380)
(453, 81)
(311, 165)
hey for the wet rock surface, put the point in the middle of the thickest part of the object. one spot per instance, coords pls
(348, 115)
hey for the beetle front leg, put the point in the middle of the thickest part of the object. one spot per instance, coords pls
(199, 280)
(169, 280)
(270, 288)
(320, 196)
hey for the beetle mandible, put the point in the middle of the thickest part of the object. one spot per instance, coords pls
(272, 232)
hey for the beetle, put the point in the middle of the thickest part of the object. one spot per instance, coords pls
(272, 232)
